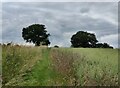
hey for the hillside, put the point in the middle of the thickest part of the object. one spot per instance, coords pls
(36, 66)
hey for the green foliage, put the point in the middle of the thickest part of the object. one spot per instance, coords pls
(104, 45)
(37, 34)
(56, 46)
(83, 39)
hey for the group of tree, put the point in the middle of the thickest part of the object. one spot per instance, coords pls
(103, 45)
(85, 39)
(38, 35)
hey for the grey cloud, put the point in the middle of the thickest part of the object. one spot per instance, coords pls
(59, 1)
(84, 10)
(62, 19)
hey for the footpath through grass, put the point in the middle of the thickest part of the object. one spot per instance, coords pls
(29, 66)
(36, 66)
(43, 73)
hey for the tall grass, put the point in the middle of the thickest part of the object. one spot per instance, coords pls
(0, 66)
(43, 74)
(16, 60)
(36, 66)
(64, 63)
(29, 66)
(99, 68)
(89, 66)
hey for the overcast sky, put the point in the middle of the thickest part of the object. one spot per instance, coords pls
(62, 20)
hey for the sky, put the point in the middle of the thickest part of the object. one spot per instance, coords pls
(62, 20)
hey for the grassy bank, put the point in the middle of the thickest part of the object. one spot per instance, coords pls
(36, 66)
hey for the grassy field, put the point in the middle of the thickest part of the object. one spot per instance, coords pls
(36, 66)
(100, 66)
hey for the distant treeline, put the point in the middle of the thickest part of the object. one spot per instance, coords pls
(37, 34)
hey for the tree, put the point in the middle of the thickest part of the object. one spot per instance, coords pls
(56, 46)
(37, 34)
(83, 39)
(103, 45)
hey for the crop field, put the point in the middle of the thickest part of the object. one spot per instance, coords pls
(39, 66)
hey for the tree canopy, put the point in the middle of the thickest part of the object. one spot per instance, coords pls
(83, 39)
(37, 34)
(103, 45)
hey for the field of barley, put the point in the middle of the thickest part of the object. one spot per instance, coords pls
(37, 66)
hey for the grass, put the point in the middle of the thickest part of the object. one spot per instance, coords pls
(100, 66)
(0, 66)
(43, 73)
(30, 67)
(16, 60)
(36, 66)
(64, 63)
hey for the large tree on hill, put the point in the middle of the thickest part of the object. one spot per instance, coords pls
(37, 34)
(83, 39)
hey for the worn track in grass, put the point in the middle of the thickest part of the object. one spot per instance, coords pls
(35, 66)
